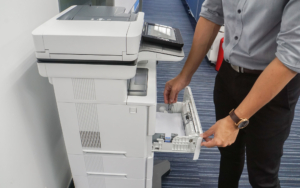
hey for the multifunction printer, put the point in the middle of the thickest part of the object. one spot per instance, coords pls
(104, 79)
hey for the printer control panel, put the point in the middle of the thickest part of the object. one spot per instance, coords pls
(164, 35)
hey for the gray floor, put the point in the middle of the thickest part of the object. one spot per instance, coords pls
(204, 172)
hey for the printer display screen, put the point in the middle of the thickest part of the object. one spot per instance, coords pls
(161, 32)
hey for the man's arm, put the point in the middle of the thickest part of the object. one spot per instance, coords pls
(273, 79)
(205, 34)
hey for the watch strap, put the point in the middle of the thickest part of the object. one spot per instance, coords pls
(234, 117)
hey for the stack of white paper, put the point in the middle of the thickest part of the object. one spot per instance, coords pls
(169, 123)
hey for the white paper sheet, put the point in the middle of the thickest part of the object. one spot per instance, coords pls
(169, 123)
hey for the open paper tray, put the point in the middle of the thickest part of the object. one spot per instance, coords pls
(182, 144)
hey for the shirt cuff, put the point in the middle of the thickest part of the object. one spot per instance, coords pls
(212, 16)
(283, 60)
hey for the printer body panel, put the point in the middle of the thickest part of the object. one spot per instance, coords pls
(87, 38)
(112, 128)
(91, 46)
(151, 98)
(70, 128)
(39, 31)
(80, 90)
(124, 122)
(133, 168)
(81, 181)
(134, 34)
(93, 71)
(38, 38)
(93, 181)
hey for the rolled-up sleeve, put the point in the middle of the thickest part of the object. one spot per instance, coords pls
(288, 40)
(213, 11)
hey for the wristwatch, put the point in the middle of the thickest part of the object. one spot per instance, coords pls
(241, 123)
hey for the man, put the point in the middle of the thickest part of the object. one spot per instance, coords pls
(258, 79)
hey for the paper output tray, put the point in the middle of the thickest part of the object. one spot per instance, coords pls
(191, 140)
(158, 52)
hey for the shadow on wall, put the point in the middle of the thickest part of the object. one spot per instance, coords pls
(35, 96)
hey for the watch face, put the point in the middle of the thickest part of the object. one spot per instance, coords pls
(243, 123)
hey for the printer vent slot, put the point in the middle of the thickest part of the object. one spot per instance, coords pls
(93, 163)
(84, 89)
(96, 182)
(90, 139)
(88, 125)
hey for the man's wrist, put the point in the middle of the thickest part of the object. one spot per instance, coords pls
(230, 121)
(186, 77)
(241, 113)
(240, 123)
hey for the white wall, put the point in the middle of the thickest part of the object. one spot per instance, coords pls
(32, 150)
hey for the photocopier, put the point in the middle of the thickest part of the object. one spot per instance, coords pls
(104, 79)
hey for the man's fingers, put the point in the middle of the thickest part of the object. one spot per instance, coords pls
(172, 96)
(209, 144)
(176, 97)
(167, 94)
(214, 142)
(208, 133)
(207, 139)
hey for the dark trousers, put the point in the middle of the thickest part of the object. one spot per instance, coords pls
(262, 141)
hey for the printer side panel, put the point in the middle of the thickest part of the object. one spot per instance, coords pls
(123, 128)
(83, 111)
(89, 71)
(70, 128)
(134, 35)
(86, 45)
(87, 90)
(38, 33)
(38, 39)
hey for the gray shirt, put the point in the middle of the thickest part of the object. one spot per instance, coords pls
(257, 31)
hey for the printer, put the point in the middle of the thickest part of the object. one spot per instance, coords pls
(104, 79)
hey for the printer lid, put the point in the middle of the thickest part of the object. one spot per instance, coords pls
(98, 13)
(83, 32)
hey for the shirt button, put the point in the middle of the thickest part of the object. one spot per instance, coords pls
(239, 11)
(236, 37)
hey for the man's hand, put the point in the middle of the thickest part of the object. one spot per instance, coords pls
(173, 87)
(224, 131)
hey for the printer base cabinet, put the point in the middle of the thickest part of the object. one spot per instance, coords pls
(93, 181)
(112, 145)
